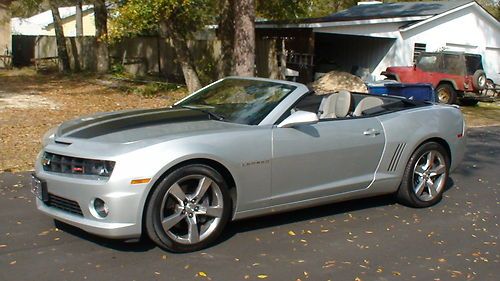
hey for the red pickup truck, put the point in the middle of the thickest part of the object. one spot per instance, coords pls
(455, 76)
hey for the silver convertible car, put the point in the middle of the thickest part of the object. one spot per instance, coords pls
(239, 148)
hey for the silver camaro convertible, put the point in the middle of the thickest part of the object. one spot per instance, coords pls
(238, 148)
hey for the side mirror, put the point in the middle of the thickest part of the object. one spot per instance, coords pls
(299, 118)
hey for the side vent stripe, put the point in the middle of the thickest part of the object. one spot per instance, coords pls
(395, 158)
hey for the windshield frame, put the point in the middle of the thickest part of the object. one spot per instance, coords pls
(296, 90)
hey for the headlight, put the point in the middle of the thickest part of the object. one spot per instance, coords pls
(49, 135)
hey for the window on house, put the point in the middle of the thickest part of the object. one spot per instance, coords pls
(418, 48)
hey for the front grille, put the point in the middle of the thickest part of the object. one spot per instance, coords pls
(56, 163)
(64, 204)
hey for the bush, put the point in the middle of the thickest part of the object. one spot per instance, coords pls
(155, 88)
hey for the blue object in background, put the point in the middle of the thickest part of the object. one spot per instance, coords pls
(417, 91)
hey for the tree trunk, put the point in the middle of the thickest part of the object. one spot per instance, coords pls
(225, 33)
(244, 38)
(183, 56)
(79, 19)
(101, 26)
(62, 52)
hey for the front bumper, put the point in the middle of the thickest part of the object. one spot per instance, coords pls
(125, 202)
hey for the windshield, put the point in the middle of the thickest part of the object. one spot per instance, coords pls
(239, 100)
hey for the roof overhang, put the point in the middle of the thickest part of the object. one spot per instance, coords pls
(430, 19)
(343, 23)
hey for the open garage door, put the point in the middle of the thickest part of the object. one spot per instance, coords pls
(349, 53)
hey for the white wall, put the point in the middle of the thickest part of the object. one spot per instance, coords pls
(468, 30)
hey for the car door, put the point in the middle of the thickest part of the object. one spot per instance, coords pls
(327, 158)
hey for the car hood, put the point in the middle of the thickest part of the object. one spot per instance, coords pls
(133, 126)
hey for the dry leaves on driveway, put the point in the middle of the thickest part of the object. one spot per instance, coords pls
(31, 104)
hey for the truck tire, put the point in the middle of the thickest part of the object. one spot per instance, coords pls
(479, 79)
(446, 94)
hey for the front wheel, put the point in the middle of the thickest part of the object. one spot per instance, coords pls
(425, 176)
(188, 209)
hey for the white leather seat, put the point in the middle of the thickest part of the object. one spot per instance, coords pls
(336, 105)
(367, 103)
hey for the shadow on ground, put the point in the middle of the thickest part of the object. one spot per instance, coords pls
(144, 244)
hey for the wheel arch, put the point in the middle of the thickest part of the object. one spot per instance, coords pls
(449, 82)
(216, 165)
(438, 140)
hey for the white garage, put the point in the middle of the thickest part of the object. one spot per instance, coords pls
(376, 35)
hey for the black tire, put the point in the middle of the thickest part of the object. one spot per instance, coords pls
(162, 195)
(468, 102)
(446, 94)
(408, 189)
(479, 79)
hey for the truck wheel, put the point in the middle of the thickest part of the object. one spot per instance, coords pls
(446, 94)
(479, 79)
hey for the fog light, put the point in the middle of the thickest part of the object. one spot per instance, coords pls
(101, 208)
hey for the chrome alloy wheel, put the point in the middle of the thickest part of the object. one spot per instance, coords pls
(191, 209)
(429, 175)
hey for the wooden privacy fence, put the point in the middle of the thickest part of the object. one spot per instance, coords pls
(153, 55)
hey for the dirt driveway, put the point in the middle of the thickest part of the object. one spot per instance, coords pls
(31, 103)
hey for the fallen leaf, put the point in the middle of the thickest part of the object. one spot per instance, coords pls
(262, 276)
(43, 233)
(291, 233)
(203, 274)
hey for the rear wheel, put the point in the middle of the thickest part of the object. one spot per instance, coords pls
(425, 176)
(446, 94)
(188, 210)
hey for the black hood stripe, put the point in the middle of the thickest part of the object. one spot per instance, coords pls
(129, 120)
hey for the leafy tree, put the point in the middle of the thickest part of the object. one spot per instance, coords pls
(177, 20)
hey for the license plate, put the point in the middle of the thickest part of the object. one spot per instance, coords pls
(39, 188)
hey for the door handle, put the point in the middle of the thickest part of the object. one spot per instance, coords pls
(371, 132)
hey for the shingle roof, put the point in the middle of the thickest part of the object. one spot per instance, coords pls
(382, 11)
(394, 10)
